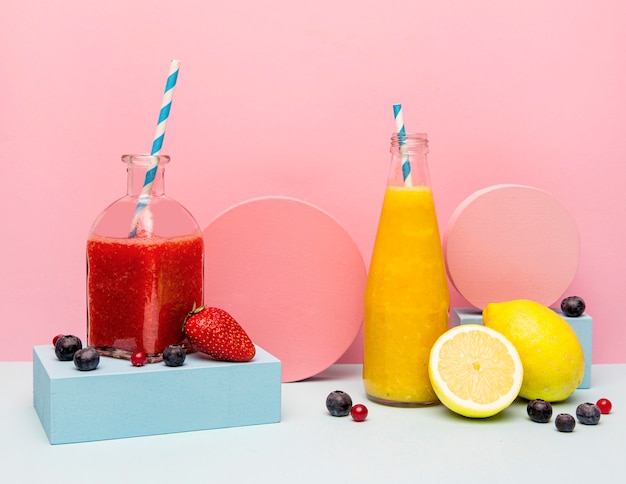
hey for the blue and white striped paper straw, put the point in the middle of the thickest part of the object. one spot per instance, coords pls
(142, 209)
(406, 165)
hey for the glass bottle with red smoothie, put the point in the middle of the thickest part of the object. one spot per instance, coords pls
(144, 268)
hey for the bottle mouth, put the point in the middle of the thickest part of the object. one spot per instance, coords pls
(410, 137)
(144, 159)
(410, 143)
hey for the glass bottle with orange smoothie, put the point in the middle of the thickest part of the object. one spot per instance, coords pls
(406, 297)
(144, 269)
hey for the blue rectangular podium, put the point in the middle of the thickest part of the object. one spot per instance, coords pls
(118, 400)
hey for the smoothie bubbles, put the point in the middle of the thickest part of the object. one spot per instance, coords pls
(406, 296)
(144, 260)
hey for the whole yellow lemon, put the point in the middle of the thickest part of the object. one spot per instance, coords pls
(552, 357)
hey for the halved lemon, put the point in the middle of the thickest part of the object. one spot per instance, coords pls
(475, 371)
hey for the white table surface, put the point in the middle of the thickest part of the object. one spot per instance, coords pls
(308, 445)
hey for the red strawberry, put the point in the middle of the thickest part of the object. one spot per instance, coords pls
(215, 332)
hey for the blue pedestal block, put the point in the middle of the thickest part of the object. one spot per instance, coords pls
(118, 400)
(582, 326)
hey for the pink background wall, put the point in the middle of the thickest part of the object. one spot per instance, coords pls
(284, 97)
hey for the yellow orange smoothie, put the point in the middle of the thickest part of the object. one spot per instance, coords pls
(406, 299)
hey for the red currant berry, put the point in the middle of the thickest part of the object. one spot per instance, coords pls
(138, 358)
(57, 338)
(358, 412)
(605, 405)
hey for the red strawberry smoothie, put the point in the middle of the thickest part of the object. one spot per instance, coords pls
(139, 291)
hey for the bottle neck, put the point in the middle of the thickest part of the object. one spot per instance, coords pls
(409, 164)
(144, 170)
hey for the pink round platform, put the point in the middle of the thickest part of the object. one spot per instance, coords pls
(511, 242)
(291, 275)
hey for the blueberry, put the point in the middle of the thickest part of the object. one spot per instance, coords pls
(564, 422)
(66, 346)
(338, 403)
(539, 410)
(573, 306)
(86, 359)
(588, 413)
(174, 355)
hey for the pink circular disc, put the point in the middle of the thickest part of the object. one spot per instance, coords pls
(508, 242)
(291, 275)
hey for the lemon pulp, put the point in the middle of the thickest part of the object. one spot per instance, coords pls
(475, 370)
